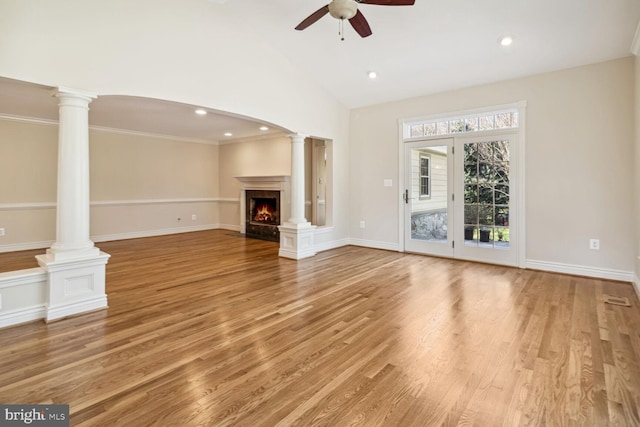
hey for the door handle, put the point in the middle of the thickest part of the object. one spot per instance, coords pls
(405, 196)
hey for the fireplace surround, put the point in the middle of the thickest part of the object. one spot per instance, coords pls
(264, 205)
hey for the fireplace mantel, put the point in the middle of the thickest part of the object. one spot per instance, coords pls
(280, 183)
(264, 180)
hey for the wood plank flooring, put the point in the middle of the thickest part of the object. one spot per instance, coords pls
(211, 329)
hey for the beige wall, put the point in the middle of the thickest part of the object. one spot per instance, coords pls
(130, 167)
(258, 157)
(28, 175)
(145, 184)
(28, 164)
(139, 184)
(579, 161)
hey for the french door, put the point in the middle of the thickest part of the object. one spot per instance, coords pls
(428, 197)
(460, 199)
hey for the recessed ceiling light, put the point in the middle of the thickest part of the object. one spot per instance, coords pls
(263, 128)
(505, 40)
(228, 134)
(201, 112)
(372, 74)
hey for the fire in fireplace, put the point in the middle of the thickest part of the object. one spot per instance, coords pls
(263, 214)
(264, 210)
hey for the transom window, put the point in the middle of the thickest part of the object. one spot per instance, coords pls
(464, 124)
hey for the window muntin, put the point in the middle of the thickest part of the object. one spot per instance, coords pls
(464, 124)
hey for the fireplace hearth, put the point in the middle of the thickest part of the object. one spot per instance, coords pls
(262, 214)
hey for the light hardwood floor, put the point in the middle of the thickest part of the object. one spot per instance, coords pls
(210, 329)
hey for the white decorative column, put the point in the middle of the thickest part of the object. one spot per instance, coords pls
(76, 268)
(296, 234)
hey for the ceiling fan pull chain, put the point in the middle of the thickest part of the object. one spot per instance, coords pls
(341, 30)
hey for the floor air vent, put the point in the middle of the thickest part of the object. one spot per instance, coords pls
(610, 299)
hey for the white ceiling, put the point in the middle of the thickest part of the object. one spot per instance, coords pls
(438, 45)
(430, 47)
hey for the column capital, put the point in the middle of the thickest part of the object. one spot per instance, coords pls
(297, 137)
(62, 91)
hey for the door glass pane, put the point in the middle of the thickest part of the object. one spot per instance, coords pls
(486, 194)
(470, 173)
(471, 193)
(501, 194)
(429, 194)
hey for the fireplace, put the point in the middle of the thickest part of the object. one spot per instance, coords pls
(276, 189)
(262, 216)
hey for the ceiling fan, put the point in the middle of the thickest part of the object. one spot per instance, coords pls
(348, 9)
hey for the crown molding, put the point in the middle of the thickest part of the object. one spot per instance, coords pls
(25, 119)
(152, 135)
(269, 135)
(49, 122)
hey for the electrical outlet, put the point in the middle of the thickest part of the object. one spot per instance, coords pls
(594, 244)
(362, 225)
(194, 217)
(1, 231)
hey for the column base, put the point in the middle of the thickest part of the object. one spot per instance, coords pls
(74, 286)
(296, 240)
(59, 255)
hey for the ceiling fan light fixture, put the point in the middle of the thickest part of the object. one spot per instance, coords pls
(343, 9)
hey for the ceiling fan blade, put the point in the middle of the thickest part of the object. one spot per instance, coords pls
(388, 2)
(360, 24)
(311, 19)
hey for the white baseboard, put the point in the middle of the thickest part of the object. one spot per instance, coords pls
(580, 270)
(121, 236)
(319, 247)
(374, 244)
(26, 246)
(636, 285)
(151, 233)
(22, 315)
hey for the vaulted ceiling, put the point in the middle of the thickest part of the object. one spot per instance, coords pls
(436, 45)
(430, 47)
